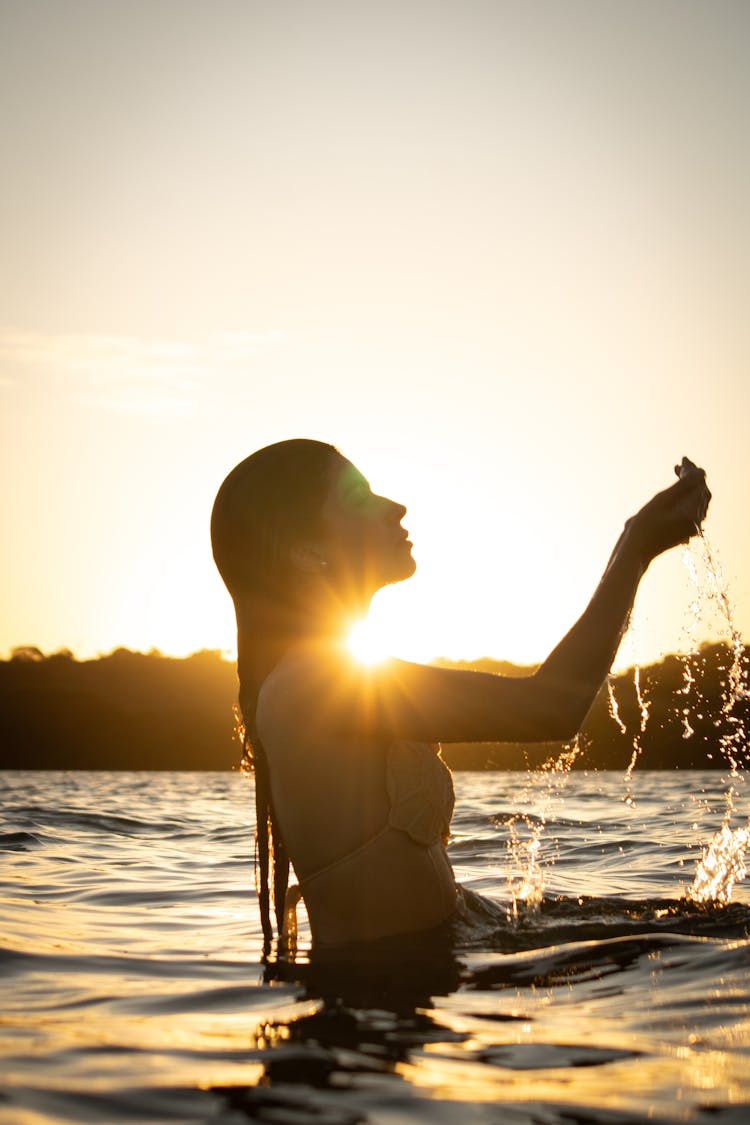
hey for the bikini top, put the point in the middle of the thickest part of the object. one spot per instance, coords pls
(420, 792)
(421, 799)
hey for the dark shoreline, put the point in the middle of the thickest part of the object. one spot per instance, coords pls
(146, 711)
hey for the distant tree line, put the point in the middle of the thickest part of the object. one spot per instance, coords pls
(131, 710)
(126, 710)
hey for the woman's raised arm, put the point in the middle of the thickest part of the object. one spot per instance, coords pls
(416, 701)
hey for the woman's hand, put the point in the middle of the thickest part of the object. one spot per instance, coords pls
(673, 516)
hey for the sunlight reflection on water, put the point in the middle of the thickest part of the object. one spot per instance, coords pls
(134, 990)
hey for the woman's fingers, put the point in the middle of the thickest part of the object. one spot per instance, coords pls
(676, 514)
(695, 486)
(685, 467)
(696, 494)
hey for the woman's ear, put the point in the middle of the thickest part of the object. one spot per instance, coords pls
(308, 557)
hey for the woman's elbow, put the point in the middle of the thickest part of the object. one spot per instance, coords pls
(571, 727)
(555, 728)
(562, 716)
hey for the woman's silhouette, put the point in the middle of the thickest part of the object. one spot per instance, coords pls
(350, 786)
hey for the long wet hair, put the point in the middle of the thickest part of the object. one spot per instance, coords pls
(266, 505)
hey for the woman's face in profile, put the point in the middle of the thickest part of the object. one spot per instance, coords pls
(362, 538)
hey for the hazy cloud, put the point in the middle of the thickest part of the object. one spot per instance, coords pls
(126, 374)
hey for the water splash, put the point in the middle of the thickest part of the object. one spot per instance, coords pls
(614, 710)
(707, 575)
(723, 860)
(721, 866)
(525, 872)
(688, 659)
(643, 707)
(525, 877)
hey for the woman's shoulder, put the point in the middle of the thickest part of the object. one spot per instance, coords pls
(321, 685)
(302, 682)
(299, 715)
(302, 666)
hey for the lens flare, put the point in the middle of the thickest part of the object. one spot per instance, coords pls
(368, 641)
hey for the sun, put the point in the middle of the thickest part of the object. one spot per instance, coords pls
(368, 641)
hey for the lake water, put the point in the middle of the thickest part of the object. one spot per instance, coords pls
(133, 988)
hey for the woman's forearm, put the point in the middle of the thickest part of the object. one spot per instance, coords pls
(575, 669)
(578, 665)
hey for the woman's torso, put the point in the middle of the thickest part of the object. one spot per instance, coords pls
(363, 819)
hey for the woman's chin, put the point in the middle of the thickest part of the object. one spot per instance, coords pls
(404, 570)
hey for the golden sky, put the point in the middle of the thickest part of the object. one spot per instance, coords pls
(497, 252)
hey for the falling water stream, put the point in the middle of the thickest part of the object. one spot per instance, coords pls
(723, 860)
(525, 870)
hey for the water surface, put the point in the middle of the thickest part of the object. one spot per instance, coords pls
(133, 986)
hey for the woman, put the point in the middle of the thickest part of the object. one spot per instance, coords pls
(349, 784)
